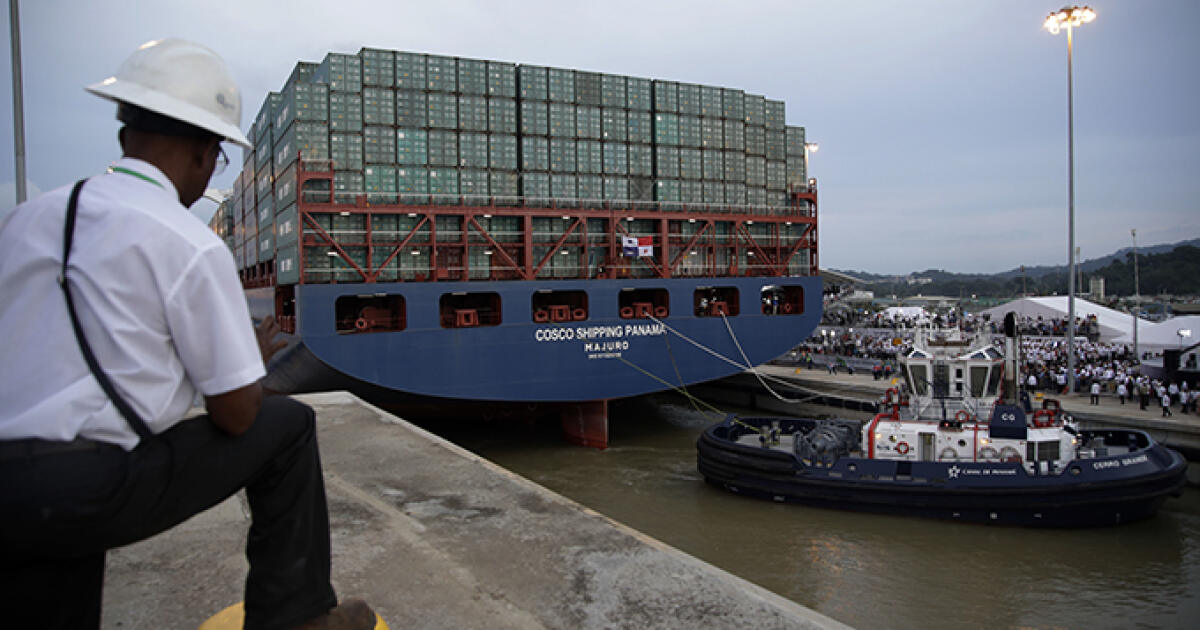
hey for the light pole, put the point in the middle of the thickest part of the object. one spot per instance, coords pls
(1137, 297)
(1070, 17)
(809, 147)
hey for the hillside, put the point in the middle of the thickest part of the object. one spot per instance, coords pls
(1172, 269)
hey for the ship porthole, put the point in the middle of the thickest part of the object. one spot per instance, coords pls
(994, 516)
(1075, 470)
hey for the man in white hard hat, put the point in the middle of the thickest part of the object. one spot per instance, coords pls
(120, 310)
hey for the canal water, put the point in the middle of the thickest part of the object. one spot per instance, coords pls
(867, 571)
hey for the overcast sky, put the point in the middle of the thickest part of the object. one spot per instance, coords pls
(942, 125)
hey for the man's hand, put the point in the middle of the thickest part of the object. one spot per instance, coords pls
(266, 332)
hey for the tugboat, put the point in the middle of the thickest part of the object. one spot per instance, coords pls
(955, 441)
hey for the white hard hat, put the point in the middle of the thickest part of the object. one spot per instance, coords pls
(181, 80)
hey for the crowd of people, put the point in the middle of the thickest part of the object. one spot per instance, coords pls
(1101, 368)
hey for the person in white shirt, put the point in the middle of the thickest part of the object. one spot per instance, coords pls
(1122, 391)
(1095, 392)
(121, 309)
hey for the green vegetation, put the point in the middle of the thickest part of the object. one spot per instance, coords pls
(1175, 272)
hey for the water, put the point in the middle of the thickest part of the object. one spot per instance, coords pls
(864, 570)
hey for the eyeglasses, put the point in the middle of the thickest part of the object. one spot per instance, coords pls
(222, 161)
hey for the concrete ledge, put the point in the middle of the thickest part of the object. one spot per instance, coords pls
(436, 537)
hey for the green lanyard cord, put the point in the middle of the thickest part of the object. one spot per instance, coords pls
(127, 171)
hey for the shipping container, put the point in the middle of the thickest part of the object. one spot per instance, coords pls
(589, 156)
(379, 182)
(443, 110)
(346, 151)
(443, 147)
(378, 67)
(756, 140)
(561, 85)
(797, 176)
(691, 192)
(412, 183)
(502, 152)
(638, 94)
(733, 105)
(535, 118)
(472, 150)
(689, 99)
(689, 131)
(503, 184)
(441, 73)
(712, 165)
(640, 127)
(302, 72)
(412, 147)
(776, 175)
(587, 88)
(776, 144)
(379, 144)
(412, 109)
(341, 72)
(735, 194)
(535, 153)
(562, 120)
(735, 135)
(472, 77)
(666, 96)
(502, 79)
(615, 157)
(307, 139)
(562, 186)
(285, 187)
(690, 164)
(472, 113)
(713, 191)
(754, 107)
(502, 115)
(641, 188)
(775, 113)
(302, 101)
(641, 160)
(265, 213)
(710, 101)
(562, 155)
(287, 226)
(347, 185)
(614, 126)
(666, 129)
(531, 83)
(735, 167)
(612, 90)
(666, 190)
(589, 122)
(473, 185)
(666, 162)
(379, 106)
(410, 71)
(590, 187)
(616, 187)
(756, 172)
(535, 187)
(345, 112)
(795, 142)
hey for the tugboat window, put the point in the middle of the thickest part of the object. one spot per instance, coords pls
(978, 380)
(919, 378)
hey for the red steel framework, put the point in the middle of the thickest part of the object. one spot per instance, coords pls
(515, 260)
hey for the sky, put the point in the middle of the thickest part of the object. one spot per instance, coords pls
(942, 125)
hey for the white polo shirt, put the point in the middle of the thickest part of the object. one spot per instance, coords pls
(158, 297)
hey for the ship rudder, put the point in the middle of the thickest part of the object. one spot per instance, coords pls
(586, 423)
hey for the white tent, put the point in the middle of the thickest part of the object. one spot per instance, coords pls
(1157, 337)
(1113, 324)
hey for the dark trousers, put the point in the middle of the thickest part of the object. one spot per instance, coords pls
(60, 512)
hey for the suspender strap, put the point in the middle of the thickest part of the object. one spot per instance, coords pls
(135, 421)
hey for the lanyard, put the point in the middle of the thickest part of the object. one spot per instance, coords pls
(129, 171)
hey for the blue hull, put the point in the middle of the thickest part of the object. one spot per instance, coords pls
(520, 360)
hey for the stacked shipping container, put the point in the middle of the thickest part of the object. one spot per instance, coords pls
(409, 128)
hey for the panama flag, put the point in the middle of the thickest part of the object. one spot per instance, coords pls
(637, 245)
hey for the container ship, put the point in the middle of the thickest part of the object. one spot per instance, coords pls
(465, 234)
